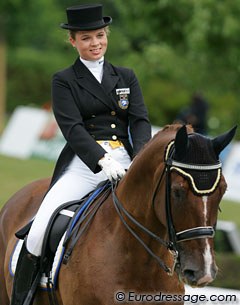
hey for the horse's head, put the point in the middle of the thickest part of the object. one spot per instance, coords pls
(194, 188)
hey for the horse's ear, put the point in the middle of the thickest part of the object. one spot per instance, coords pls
(181, 143)
(220, 142)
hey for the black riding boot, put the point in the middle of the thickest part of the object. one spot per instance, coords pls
(26, 272)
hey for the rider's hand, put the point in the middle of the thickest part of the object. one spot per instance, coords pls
(112, 168)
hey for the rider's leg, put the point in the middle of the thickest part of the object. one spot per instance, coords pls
(68, 188)
(71, 186)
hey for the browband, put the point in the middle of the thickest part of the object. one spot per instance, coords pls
(199, 167)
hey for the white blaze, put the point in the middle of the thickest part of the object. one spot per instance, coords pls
(205, 199)
(207, 252)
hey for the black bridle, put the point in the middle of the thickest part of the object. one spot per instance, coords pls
(173, 236)
(188, 234)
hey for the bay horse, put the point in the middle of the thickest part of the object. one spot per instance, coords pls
(153, 234)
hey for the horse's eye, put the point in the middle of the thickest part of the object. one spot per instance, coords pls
(179, 192)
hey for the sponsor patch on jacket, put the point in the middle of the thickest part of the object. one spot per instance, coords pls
(123, 91)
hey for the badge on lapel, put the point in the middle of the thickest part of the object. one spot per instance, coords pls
(123, 102)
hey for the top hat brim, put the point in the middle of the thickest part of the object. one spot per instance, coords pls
(99, 25)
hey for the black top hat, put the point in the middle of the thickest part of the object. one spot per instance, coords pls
(85, 17)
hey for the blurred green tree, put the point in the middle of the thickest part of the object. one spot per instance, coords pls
(174, 46)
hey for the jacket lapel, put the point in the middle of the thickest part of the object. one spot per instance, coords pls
(86, 80)
(110, 78)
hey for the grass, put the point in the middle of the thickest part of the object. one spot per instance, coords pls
(15, 173)
(230, 211)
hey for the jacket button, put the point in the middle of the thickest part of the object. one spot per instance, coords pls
(114, 137)
(113, 113)
(113, 126)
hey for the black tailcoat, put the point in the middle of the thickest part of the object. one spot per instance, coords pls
(87, 111)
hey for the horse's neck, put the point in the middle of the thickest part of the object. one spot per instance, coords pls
(136, 190)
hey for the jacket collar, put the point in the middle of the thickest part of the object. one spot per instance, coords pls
(86, 80)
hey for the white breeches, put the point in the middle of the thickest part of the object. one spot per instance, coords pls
(77, 181)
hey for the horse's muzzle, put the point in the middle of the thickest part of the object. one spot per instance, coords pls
(198, 278)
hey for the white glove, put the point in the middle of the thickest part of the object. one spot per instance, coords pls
(112, 168)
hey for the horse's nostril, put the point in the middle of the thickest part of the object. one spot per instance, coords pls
(190, 275)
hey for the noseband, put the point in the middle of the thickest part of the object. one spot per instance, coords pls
(174, 237)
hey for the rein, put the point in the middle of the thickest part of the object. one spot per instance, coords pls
(168, 244)
(174, 237)
(121, 210)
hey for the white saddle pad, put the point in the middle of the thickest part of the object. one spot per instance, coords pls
(55, 266)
